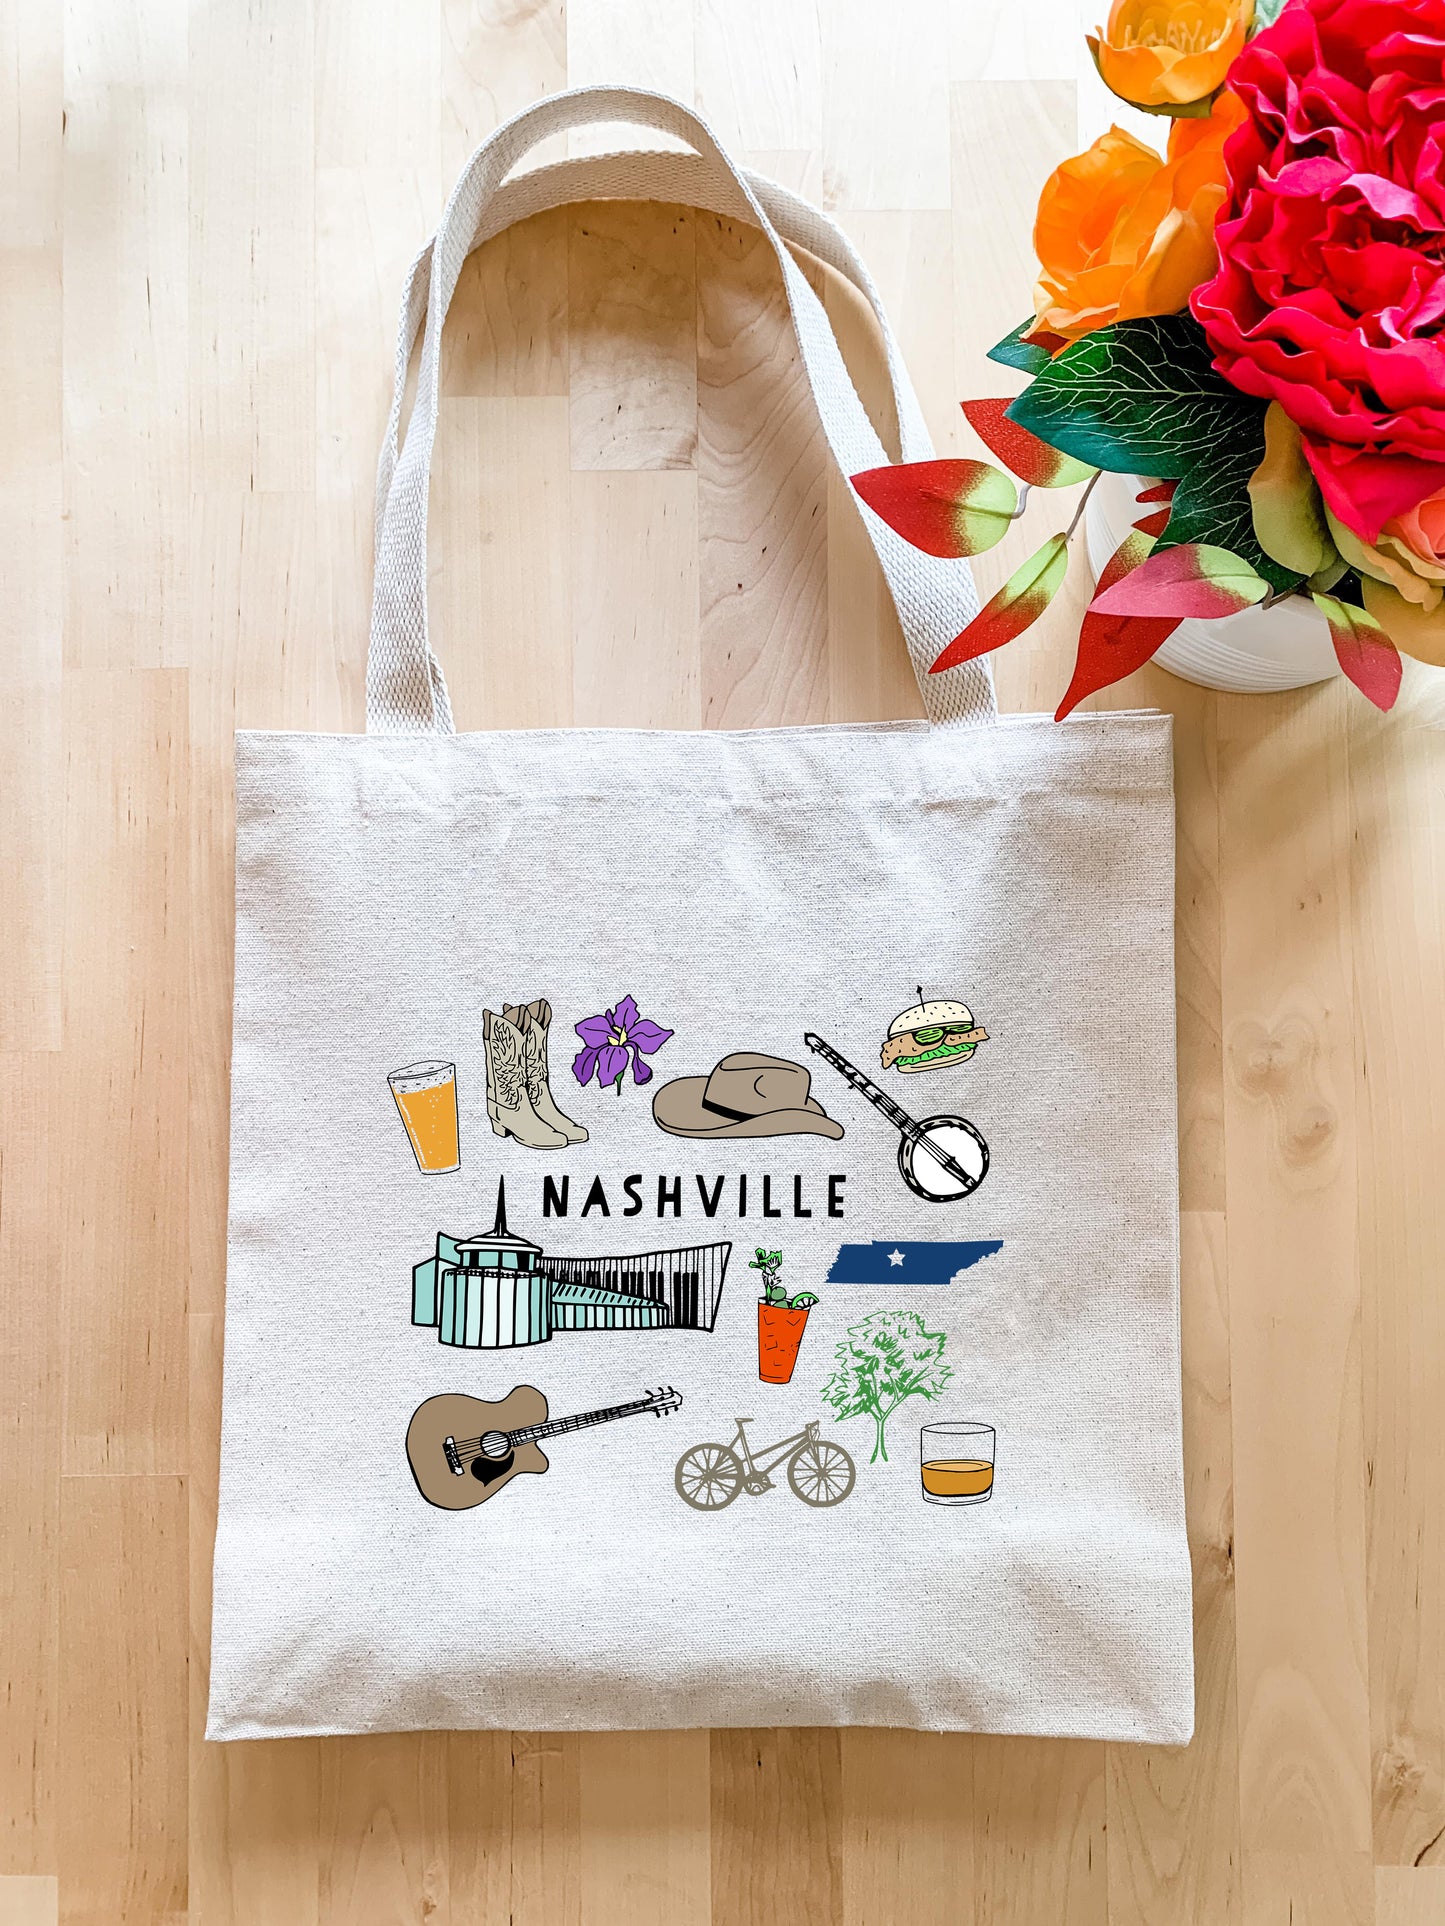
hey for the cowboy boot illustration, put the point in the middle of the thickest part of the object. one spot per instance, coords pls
(534, 1020)
(508, 1105)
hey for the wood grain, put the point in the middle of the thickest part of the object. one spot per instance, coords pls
(632, 311)
(207, 213)
(120, 1079)
(762, 472)
(31, 1429)
(644, 1822)
(1291, 1163)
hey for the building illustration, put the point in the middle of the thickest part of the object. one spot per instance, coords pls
(495, 1291)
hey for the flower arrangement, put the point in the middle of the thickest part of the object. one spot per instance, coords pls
(1253, 321)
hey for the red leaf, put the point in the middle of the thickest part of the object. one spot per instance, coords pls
(1160, 492)
(1113, 646)
(1194, 579)
(1019, 603)
(1364, 652)
(1156, 523)
(1375, 669)
(1134, 549)
(947, 508)
(1020, 450)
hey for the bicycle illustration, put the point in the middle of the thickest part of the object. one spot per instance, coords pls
(710, 1476)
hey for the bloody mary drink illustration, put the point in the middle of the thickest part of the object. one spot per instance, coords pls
(781, 1320)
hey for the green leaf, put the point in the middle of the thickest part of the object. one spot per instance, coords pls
(1266, 12)
(1325, 579)
(1285, 504)
(1142, 398)
(1014, 352)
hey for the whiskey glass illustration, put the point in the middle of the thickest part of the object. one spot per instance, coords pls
(957, 1463)
(426, 1096)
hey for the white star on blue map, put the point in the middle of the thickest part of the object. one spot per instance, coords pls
(895, 1257)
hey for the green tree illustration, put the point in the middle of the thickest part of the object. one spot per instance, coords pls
(890, 1356)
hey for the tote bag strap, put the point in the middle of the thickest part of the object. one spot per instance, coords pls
(406, 691)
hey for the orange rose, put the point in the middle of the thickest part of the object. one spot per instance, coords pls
(1121, 233)
(1164, 55)
(1402, 576)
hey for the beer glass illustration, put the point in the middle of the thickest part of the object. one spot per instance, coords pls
(426, 1096)
(957, 1461)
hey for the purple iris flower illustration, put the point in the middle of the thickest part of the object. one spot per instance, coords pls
(611, 1038)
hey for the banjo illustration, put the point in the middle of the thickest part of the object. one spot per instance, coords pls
(941, 1158)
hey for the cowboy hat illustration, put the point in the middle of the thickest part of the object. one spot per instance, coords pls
(747, 1094)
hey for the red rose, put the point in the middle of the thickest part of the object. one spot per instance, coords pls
(1330, 293)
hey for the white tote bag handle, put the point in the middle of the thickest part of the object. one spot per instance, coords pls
(405, 690)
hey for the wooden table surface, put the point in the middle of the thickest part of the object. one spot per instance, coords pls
(205, 225)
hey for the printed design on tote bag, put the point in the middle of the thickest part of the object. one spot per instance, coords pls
(520, 1104)
(463, 1450)
(781, 1319)
(739, 1193)
(956, 1462)
(710, 1475)
(931, 1036)
(746, 1094)
(495, 1290)
(890, 1260)
(612, 1040)
(426, 1098)
(941, 1159)
(882, 1362)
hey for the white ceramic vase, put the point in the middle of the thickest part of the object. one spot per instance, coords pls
(1283, 647)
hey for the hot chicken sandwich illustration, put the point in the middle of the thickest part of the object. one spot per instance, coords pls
(931, 1035)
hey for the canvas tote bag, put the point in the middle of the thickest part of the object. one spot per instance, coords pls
(703, 1235)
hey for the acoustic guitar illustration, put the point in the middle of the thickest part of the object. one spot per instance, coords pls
(939, 1158)
(463, 1450)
